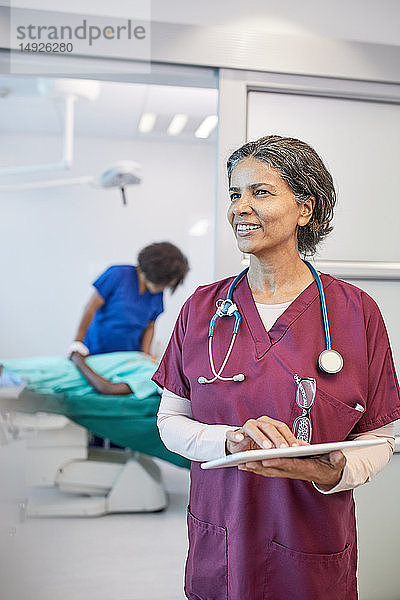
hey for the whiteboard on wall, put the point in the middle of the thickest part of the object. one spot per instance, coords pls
(359, 142)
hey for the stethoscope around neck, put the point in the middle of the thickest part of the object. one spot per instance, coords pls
(329, 361)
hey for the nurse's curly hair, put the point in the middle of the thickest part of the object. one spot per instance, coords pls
(162, 262)
(305, 173)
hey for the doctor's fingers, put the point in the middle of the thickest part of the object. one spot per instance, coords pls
(278, 430)
(276, 467)
(321, 473)
(234, 435)
(264, 433)
(234, 444)
(269, 433)
(235, 441)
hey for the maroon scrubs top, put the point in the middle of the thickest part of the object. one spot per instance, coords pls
(257, 538)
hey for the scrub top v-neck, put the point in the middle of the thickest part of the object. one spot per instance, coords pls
(263, 340)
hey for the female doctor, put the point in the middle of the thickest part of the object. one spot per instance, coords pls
(282, 528)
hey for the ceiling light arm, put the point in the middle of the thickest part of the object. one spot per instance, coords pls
(68, 145)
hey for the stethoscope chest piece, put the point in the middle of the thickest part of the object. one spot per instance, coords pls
(330, 361)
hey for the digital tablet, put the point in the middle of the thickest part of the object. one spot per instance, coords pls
(232, 460)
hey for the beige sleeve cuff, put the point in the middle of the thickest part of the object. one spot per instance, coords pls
(362, 464)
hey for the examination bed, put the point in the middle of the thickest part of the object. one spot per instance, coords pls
(88, 481)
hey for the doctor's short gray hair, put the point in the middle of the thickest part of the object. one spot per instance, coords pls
(305, 173)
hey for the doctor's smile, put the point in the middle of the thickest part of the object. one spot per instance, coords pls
(246, 228)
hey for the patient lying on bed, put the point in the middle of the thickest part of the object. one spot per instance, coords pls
(111, 395)
(113, 374)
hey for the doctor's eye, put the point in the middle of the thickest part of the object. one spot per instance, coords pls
(234, 196)
(262, 193)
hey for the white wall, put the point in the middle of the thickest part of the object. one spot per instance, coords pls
(54, 242)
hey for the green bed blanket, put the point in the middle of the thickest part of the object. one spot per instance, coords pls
(56, 386)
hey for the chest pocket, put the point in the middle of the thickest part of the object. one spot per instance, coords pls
(332, 419)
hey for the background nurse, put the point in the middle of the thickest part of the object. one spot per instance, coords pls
(127, 300)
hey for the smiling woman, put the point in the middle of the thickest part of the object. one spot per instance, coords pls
(295, 163)
(265, 216)
(287, 531)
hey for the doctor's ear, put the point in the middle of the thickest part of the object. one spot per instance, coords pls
(306, 211)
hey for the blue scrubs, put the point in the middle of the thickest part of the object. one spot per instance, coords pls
(119, 324)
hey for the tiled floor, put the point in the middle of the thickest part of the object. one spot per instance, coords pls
(115, 557)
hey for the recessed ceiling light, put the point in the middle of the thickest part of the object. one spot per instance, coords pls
(206, 127)
(147, 122)
(177, 124)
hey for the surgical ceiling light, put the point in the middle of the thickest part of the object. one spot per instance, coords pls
(119, 175)
(206, 127)
(178, 123)
(147, 122)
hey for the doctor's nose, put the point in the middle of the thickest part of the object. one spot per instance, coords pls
(242, 206)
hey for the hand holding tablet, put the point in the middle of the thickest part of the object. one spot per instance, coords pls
(232, 460)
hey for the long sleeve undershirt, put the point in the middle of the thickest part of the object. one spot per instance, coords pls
(200, 442)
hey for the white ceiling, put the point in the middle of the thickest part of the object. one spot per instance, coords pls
(115, 113)
(357, 20)
(375, 21)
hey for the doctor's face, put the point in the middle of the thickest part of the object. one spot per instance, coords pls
(263, 211)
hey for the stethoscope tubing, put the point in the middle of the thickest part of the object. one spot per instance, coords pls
(228, 308)
(328, 340)
(235, 282)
